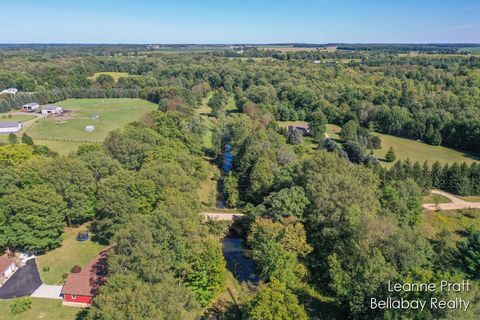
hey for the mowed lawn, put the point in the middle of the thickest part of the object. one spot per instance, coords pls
(114, 75)
(411, 149)
(113, 114)
(418, 151)
(435, 198)
(71, 253)
(46, 309)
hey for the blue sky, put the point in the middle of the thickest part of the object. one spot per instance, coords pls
(246, 21)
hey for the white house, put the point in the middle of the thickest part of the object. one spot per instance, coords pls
(30, 107)
(7, 268)
(10, 91)
(10, 127)
(51, 109)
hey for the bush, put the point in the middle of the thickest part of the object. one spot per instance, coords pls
(76, 269)
(390, 156)
(20, 305)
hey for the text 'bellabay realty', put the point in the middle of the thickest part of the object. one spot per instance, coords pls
(442, 301)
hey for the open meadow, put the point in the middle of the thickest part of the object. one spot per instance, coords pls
(66, 133)
(114, 75)
(46, 309)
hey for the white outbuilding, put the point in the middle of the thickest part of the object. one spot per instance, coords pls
(90, 128)
(10, 91)
(51, 109)
(30, 107)
(10, 127)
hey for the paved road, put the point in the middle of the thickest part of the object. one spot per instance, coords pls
(48, 292)
(23, 282)
(222, 216)
(455, 204)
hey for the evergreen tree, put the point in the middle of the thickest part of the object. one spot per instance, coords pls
(27, 139)
(390, 156)
(436, 174)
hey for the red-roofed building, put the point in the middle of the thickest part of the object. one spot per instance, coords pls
(80, 288)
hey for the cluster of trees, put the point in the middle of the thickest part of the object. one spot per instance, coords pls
(140, 190)
(323, 226)
(461, 179)
(165, 262)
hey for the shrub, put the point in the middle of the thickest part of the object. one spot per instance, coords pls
(76, 269)
(20, 305)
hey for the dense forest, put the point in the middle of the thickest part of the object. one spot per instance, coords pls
(326, 230)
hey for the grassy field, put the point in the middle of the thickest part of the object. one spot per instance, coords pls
(16, 117)
(470, 199)
(114, 75)
(62, 259)
(435, 198)
(418, 151)
(45, 309)
(66, 133)
(454, 221)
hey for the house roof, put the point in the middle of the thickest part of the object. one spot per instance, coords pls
(9, 124)
(51, 107)
(5, 262)
(92, 276)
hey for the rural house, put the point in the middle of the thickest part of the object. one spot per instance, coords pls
(304, 129)
(80, 288)
(10, 91)
(7, 268)
(30, 107)
(10, 127)
(51, 109)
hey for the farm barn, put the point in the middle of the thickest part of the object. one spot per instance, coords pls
(10, 127)
(51, 109)
(30, 107)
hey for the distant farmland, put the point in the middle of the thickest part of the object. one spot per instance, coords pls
(65, 134)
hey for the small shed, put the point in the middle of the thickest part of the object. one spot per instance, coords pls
(95, 116)
(89, 128)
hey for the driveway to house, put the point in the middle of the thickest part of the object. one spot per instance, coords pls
(456, 204)
(48, 292)
(23, 282)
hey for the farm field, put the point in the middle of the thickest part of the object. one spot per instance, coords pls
(41, 309)
(114, 75)
(71, 253)
(65, 134)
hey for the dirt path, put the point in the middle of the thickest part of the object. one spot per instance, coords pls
(456, 204)
(222, 216)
